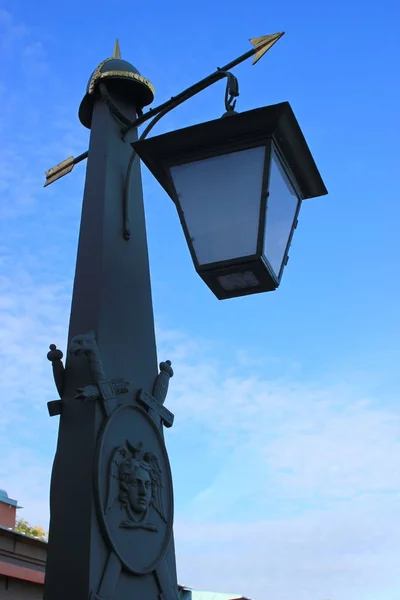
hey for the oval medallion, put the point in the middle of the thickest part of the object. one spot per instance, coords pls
(133, 489)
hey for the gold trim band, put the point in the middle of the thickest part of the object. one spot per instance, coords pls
(97, 75)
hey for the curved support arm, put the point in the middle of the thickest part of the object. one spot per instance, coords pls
(126, 207)
(232, 91)
(112, 107)
(160, 111)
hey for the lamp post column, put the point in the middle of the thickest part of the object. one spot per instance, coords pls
(96, 532)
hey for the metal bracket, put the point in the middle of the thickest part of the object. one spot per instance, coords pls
(231, 92)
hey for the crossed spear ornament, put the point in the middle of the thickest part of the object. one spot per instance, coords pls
(105, 392)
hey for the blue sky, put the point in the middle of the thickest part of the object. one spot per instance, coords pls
(285, 450)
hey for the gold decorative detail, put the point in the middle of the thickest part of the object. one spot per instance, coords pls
(263, 43)
(126, 74)
(63, 168)
(95, 76)
(117, 50)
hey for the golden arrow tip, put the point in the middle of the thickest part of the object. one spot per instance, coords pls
(264, 43)
(63, 168)
(117, 50)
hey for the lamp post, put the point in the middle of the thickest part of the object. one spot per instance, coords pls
(111, 500)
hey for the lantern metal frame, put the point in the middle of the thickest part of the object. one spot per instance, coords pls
(274, 127)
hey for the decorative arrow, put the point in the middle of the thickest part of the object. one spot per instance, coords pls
(261, 45)
(63, 168)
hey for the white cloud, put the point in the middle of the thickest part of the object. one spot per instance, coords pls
(33, 314)
(12, 33)
(305, 499)
(348, 554)
(305, 502)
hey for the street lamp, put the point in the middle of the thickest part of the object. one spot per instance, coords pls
(237, 184)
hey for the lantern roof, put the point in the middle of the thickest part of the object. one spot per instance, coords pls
(236, 132)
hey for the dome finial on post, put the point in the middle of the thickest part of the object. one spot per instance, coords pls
(122, 77)
(117, 50)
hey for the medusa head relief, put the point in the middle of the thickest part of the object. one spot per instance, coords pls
(136, 483)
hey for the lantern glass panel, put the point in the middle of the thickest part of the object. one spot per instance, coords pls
(281, 211)
(220, 200)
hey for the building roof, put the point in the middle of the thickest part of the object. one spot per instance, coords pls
(24, 558)
(17, 534)
(4, 498)
(17, 572)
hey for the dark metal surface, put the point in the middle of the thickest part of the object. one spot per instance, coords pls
(54, 407)
(260, 46)
(258, 266)
(128, 177)
(149, 402)
(124, 79)
(112, 297)
(272, 126)
(142, 555)
(272, 147)
(244, 130)
(264, 198)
